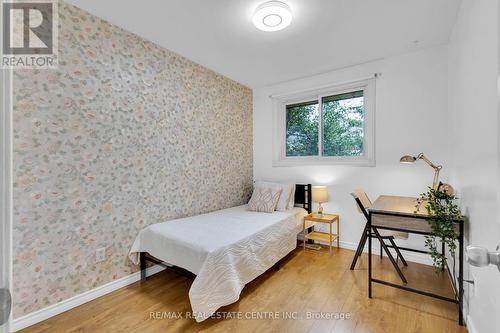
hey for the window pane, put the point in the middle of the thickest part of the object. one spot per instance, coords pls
(302, 124)
(343, 124)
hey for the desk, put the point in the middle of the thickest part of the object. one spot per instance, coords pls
(398, 214)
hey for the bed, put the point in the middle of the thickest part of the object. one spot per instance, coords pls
(225, 249)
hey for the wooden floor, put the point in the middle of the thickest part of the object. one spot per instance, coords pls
(308, 281)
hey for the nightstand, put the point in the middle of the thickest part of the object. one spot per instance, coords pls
(328, 237)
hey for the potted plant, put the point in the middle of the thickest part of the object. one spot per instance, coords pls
(443, 210)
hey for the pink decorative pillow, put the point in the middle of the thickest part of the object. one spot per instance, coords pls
(264, 199)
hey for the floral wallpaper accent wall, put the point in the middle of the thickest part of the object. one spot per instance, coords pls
(122, 135)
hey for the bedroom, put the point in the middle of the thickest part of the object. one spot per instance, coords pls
(206, 136)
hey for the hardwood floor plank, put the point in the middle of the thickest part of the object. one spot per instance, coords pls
(308, 282)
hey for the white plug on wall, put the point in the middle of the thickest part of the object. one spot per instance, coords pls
(100, 254)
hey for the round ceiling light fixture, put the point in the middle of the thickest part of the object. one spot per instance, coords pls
(272, 16)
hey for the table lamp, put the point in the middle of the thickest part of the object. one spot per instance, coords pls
(320, 195)
(421, 156)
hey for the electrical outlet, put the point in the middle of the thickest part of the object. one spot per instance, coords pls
(100, 254)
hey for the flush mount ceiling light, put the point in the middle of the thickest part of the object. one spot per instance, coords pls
(272, 16)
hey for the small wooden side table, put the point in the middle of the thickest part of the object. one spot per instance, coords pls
(311, 219)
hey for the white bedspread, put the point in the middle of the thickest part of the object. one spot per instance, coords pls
(226, 249)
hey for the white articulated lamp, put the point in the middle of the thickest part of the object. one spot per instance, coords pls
(436, 185)
(320, 195)
(412, 159)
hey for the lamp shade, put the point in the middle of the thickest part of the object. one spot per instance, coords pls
(320, 194)
(407, 159)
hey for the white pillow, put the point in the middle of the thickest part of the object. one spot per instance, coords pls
(264, 199)
(286, 190)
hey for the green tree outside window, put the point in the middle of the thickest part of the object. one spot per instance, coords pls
(302, 126)
(342, 122)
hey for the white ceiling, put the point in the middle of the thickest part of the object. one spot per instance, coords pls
(324, 34)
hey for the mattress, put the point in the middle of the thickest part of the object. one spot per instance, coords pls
(226, 249)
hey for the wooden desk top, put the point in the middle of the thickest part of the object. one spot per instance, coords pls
(390, 204)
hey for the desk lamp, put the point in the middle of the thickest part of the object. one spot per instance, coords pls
(421, 156)
(320, 195)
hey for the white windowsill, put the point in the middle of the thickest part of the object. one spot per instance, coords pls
(301, 161)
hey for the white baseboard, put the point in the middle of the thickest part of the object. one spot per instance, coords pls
(470, 325)
(70, 303)
(419, 258)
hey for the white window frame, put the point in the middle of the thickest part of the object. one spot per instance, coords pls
(279, 126)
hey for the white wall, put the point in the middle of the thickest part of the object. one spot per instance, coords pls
(473, 115)
(410, 117)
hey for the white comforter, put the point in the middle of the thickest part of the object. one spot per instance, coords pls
(226, 249)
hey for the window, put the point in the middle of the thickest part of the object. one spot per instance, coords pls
(328, 126)
(302, 127)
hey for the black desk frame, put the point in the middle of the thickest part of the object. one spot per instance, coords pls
(458, 299)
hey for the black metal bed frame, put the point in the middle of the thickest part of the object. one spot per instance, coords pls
(303, 197)
(458, 299)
